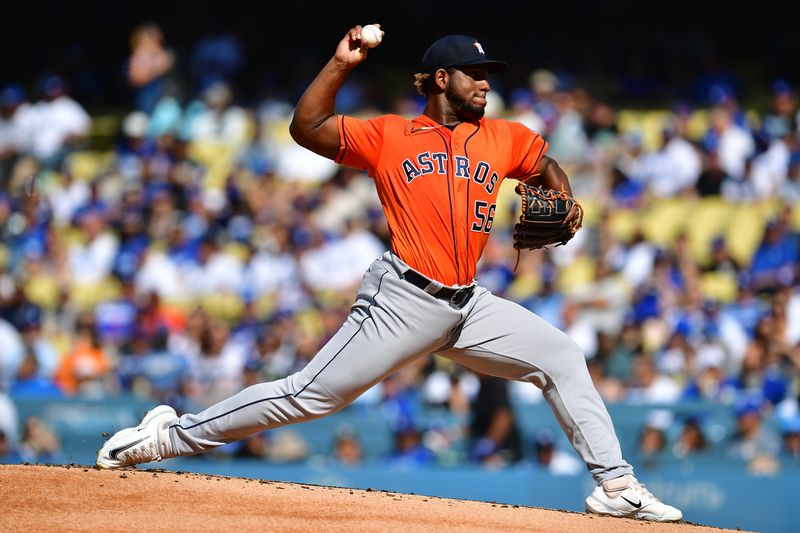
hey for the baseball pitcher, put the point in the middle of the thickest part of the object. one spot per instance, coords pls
(437, 176)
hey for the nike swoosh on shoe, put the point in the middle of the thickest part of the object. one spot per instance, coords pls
(113, 454)
(638, 504)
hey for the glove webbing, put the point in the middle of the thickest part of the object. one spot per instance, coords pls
(550, 195)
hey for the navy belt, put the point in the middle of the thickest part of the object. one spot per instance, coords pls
(457, 298)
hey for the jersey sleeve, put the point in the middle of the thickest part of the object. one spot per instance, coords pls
(527, 150)
(360, 142)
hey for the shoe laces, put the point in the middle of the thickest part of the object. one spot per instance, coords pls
(642, 490)
(142, 454)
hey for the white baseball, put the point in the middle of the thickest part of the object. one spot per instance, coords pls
(371, 35)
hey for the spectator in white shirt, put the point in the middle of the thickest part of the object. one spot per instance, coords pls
(12, 351)
(67, 197)
(350, 194)
(579, 329)
(639, 260)
(769, 170)
(92, 260)
(734, 144)
(221, 121)
(649, 386)
(273, 269)
(216, 272)
(675, 167)
(15, 126)
(218, 370)
(340, 264)
(523, 109)
(556, 461)
(159, 273)
(60, 122)
(9, 418)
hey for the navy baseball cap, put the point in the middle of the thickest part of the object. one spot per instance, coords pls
(458, 51)
(28, 316)
(12, 95)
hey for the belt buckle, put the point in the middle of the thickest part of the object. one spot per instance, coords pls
(460, 297)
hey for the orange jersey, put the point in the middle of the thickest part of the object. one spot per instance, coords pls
(439, 187)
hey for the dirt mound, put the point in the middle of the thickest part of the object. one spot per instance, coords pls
(59, 498)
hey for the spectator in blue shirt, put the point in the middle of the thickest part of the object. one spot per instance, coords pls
(30, 383)
(217, 57)
(791, 437)
(748, 309)
(775, 260)
(409, 451)
(150, 369)
(753, 439)
(28, 320)
(8, 453)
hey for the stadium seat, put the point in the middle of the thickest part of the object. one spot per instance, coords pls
(43, 290)
(720, 286)
(796, 216)
(237, 250)
(507, 204)
(576, 274)
(592, 211)
(105, 129)
(663, 219)
(87, 165)
(709, 220)
(624, 224)
(217, 158)
(524, 286)
(228, 307)
(746, 229)
(698, 124)
(649, 123)
(86, 296)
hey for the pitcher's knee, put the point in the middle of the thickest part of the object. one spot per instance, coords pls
(311, 407)
(568, 362)
(573, 351)
(561, 362)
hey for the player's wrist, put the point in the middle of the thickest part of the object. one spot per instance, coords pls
(340, 66)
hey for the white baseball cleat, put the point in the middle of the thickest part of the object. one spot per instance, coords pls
(625, 496)
(149, 441)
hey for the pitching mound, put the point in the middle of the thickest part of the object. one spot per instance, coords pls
(59, 498)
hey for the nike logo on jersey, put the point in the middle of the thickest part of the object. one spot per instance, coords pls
(638, 504)
(116, 451)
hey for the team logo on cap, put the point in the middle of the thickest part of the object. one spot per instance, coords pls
(477, 45)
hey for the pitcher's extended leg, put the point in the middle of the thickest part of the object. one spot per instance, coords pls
(504, 339)
(390, 325)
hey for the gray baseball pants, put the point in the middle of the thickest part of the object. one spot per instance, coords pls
(393, 323)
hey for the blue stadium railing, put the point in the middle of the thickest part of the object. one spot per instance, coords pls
(80, 424)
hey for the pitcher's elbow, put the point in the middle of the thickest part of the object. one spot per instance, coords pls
(295, 131)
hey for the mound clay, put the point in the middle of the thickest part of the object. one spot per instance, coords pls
(72, 498)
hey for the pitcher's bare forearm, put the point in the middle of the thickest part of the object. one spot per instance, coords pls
(551, 175)
(314, 123)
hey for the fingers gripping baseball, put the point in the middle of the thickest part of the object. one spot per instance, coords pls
(371, 35)
(353, 48)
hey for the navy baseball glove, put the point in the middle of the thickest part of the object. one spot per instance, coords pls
(544, 219)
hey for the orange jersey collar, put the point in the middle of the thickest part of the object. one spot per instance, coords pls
(424, 123)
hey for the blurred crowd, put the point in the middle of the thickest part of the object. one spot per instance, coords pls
(206, 252)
